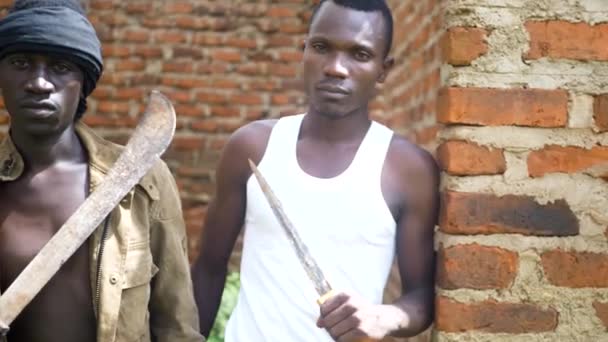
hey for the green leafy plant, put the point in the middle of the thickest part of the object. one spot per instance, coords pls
(229, 297)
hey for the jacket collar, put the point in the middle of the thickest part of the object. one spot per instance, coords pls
(100, 153)
(11, 163)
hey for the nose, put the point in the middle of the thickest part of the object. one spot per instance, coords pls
(39, 82)
(336, 67)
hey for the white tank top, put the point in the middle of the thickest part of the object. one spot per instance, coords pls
(343, 220)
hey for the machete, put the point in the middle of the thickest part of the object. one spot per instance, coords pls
(149, 140)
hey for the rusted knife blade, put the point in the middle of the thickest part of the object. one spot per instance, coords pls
(311, 267)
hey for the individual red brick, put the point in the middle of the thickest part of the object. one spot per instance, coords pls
(265, 86)
(293, 28)
(170, 37)
(95, 4)
(191, 23)
(601, 309)
(188, 143)
(136, 36)
(290, 56)
(565, 159)
(493, 317)
(281, 12)
(148, 51)
(562, 39)
(225, 111)
(242, 43)
(464, 158)
(575, 269)
(178, 96)
(213, 68)
(247, 99)
(130, 65)
(187, 110)
(129, 94)
(190, 52)
(178, 7)
(116, 50)
(138, 7)
(225, 83)
(495, 107)
(475, 213)
(287, 71)
(462, 45)
(600, 110)
(112, 107)
(103, 93)
(178, 66)
(210, 97)
(279, 40)
(158, 22)
(476, 267)
(226, 56)
(184, 82)
(280, 99)
(207, 126)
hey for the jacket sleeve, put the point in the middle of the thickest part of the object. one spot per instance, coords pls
(173, 313)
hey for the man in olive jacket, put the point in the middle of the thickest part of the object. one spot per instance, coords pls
(131, 280)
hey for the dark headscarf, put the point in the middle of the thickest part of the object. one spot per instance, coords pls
(54, 27)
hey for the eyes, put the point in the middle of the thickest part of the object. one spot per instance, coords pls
(360, 54)
(58, 66)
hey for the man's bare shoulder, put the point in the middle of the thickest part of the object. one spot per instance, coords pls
(252, 138)
(410, 157)
(411, 165)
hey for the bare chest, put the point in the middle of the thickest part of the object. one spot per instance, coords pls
(32, 209)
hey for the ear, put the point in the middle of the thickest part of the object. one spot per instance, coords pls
(387, 65)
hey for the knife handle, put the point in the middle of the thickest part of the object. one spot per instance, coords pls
(325, 297)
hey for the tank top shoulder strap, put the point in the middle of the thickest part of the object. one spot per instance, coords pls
(374, 147)
(281, 145)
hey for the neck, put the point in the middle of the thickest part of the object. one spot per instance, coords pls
(40, 152)
(347, 128)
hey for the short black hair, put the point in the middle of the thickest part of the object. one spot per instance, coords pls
(366, 6)
(27, 4)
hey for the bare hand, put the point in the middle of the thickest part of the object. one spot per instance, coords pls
(351, 318)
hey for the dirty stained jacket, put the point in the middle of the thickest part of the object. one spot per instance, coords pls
(139, 270)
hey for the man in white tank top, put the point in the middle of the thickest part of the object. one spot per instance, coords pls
(357, 194)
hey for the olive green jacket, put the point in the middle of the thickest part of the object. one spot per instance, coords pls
(139, 270)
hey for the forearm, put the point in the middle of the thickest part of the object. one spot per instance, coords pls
(411, 314)
(208, 289)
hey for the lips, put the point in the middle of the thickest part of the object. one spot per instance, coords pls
(39, 105)
(332, 92)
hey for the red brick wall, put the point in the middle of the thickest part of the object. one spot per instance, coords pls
(410, 94)
(522, 248)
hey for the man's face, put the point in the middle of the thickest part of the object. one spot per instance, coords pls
(41, 92)
(344, 59)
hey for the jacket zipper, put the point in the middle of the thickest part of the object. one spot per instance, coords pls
(104, 236)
